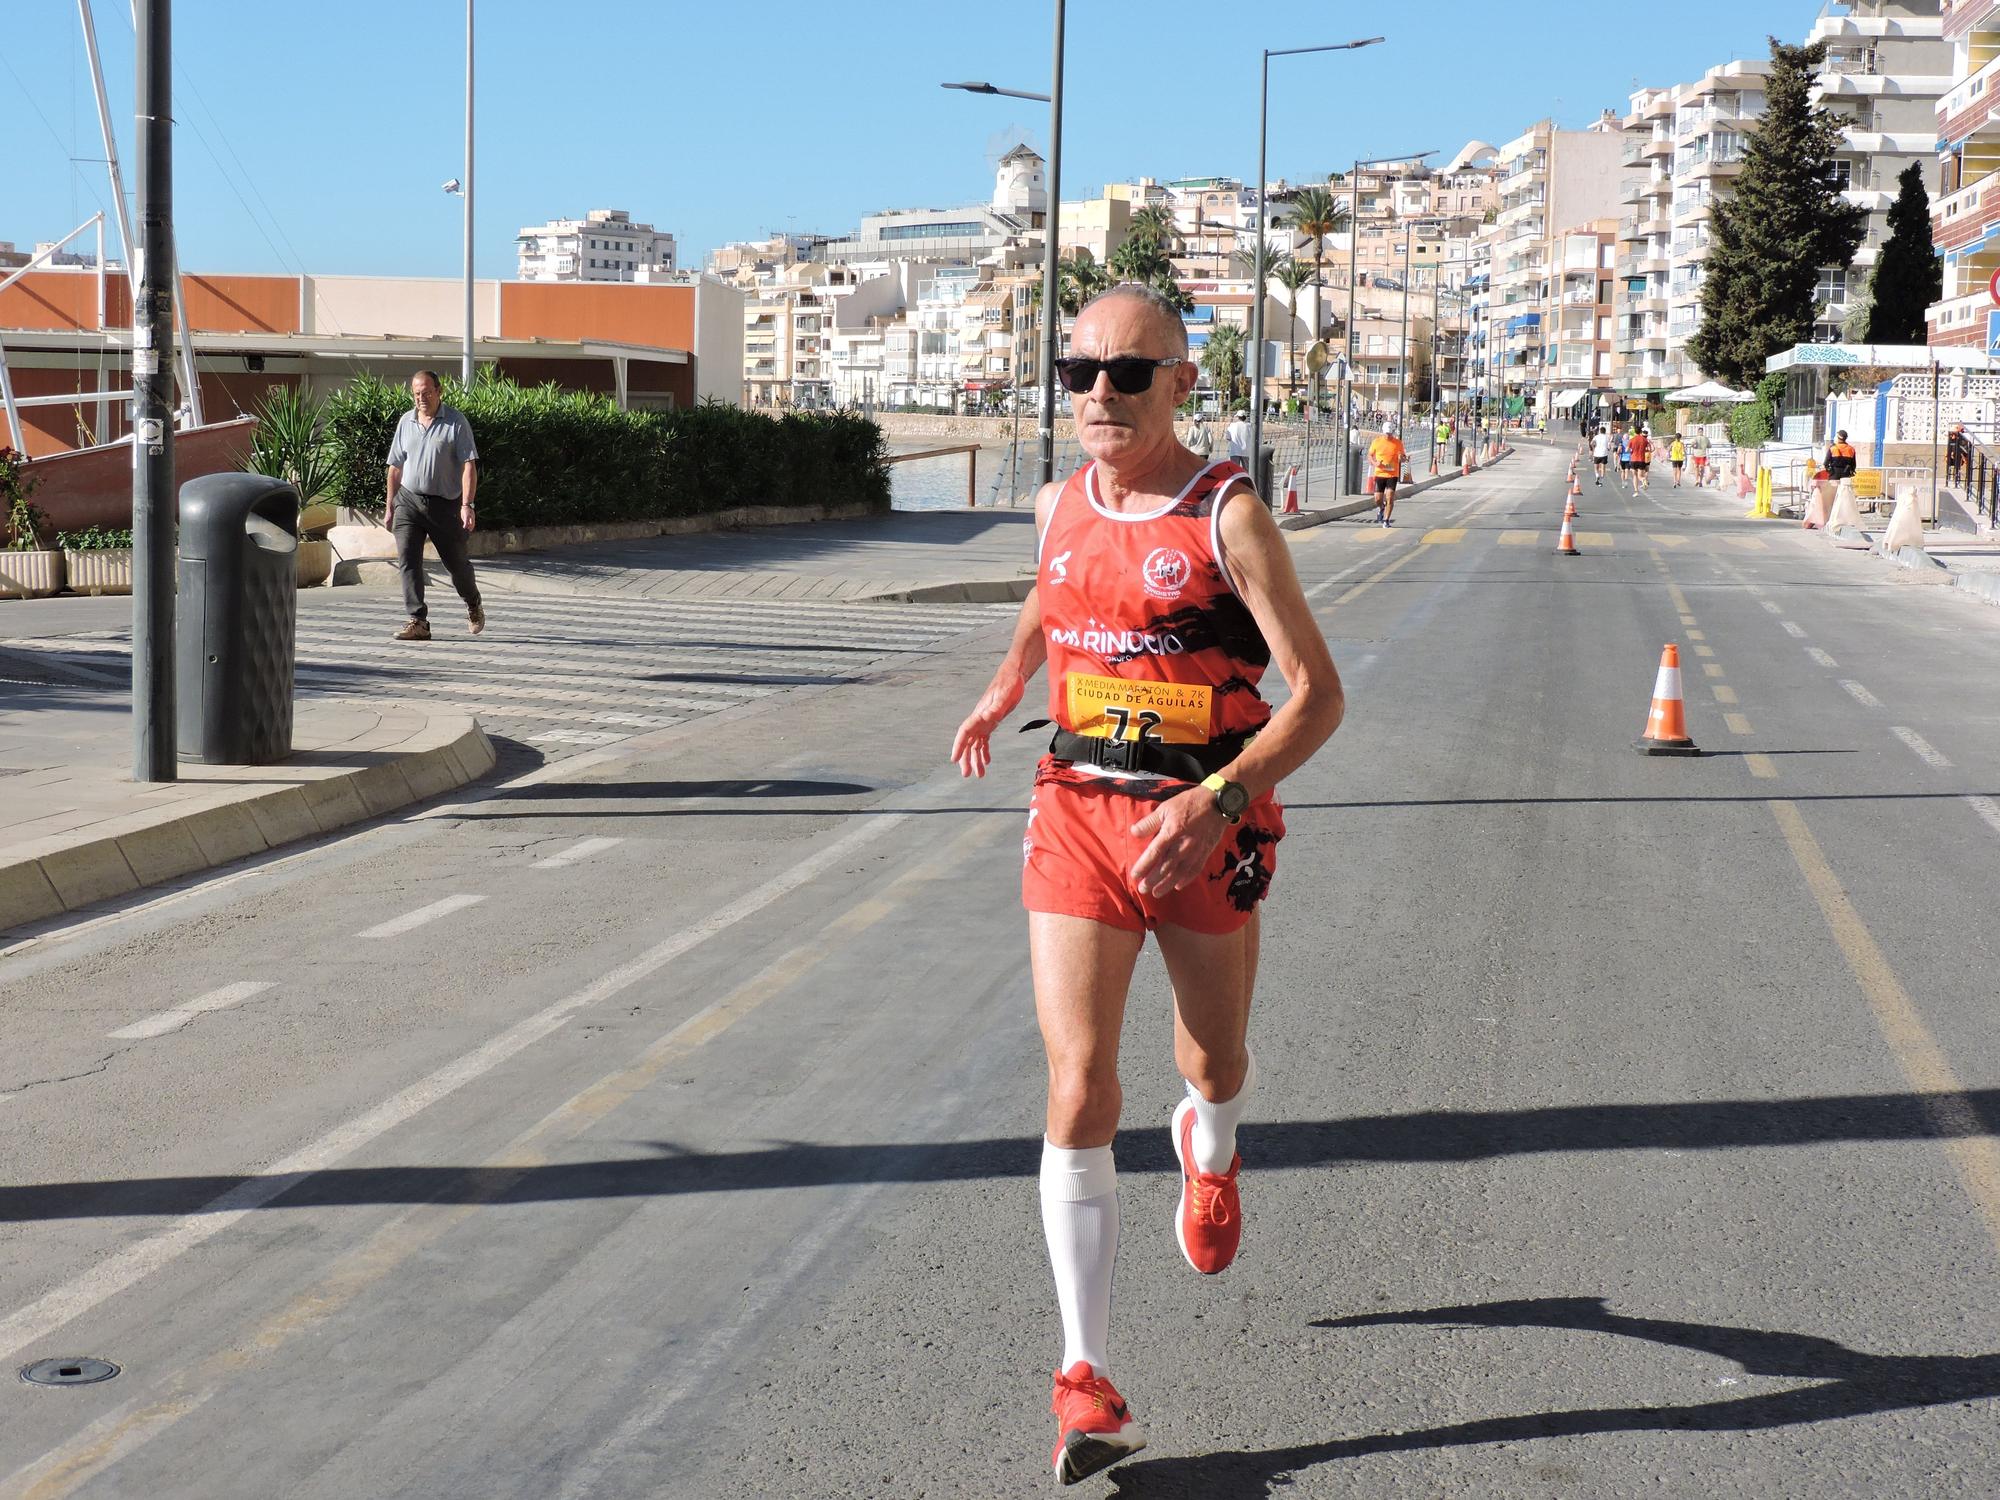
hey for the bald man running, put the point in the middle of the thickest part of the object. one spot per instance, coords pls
(1165, 590)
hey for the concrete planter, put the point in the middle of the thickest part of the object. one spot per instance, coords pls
(30, 575)
(100, 571)
(315, 563)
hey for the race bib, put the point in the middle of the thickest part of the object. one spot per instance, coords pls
(1124, 708)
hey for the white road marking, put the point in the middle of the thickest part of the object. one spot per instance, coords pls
(173, 1020)
(1986, 807)
(1821, 657)
(1925, 750)
(35, 1322)
(396, 926)
(1769, 605)
(1860, 694)
(574, 853)
(1792, 630)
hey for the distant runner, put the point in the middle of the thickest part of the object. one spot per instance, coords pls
(1165, 590)
(1386, 454)
(1642, 458)
(1677, 456)
(1698, 451)
(1600, 451)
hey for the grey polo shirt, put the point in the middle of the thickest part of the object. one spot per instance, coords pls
(432, 458)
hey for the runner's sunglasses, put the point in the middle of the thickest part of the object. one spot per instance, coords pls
(1129, 374)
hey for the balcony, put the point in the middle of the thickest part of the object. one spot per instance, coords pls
(1968, 109)
(1964, 216)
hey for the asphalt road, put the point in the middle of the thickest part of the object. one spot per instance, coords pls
(667, 1125)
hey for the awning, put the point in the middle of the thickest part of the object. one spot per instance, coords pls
(1708, 393)
(1564, 400)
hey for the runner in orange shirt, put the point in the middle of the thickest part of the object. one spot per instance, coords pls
(1386, 454)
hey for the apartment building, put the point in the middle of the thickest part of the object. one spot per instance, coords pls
(604, 245)
(966, 234)
(1549, 181)
(1887, 66)
(1580, 330)
(1965, 219)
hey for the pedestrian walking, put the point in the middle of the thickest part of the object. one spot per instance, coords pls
(433, 484)
(1238, 436)
(1957, 455)
(1698, 452)
(1199, 440)
(1165, 590)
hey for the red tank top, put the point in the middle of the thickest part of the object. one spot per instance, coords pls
(1145, 630)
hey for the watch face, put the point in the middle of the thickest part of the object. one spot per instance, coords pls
(1232, 800)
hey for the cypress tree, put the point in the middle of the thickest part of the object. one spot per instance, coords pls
(1908, 277)
(1784, 221)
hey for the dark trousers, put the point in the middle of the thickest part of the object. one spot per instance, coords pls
(432, 518)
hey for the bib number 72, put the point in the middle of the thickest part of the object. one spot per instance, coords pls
(1147, 727)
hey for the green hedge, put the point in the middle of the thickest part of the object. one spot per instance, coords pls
(549, 457)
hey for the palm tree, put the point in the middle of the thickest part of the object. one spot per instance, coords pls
(1315, 213)
(1078, 278)
(1222, 359)
(1156, 222)
(1294, 275)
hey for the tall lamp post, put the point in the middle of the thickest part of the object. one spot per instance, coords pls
(1256, 454)
(1353, 268)
(464, 190)
(1051, 220)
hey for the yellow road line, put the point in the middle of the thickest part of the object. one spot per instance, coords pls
(1704, 650)
(1747, 543)
(1714, 669)
(1666, 539)
(1696, 635)
(1723, 693)
(1680, 600)
(1737, 723)
(1445, 534)
(1594, 539)
(1519, 538)
(1762, 767)
(1370, 582)
(1974, 1153)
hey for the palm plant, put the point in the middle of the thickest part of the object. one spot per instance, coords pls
(1315, 213)
(1222, 359)
(1294, 276)
(291, 442)
(1155, 222)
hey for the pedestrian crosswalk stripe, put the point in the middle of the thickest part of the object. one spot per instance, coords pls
(1445, 534)
(1593, 538)
(1519, 538)
(1666, 539)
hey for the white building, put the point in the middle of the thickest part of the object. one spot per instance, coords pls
(968, 234)
(604, 245)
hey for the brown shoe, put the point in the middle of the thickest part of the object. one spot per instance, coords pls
(475, 618)
(416, 630)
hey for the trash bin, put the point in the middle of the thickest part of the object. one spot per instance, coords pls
(1357, 472)
(236, 619)
(1267, 474)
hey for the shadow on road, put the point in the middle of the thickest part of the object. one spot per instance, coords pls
(1850, 1384)
(1431, 1136)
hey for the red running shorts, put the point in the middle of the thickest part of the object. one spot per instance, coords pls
(1078, 854)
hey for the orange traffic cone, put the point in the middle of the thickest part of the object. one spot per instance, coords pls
(1575, 492)
(1666, 726)
(1566, 543)
(1569, 509)
(1292, 490)
(1465, 463)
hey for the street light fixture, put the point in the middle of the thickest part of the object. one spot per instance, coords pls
(1051, 310)
(1257, 291)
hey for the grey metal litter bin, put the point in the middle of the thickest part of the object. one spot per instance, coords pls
(1267, 474)
(236, 619)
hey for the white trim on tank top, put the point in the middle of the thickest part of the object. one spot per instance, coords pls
(1090, 494)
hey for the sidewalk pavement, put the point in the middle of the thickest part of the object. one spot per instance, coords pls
(75, 829)
(984, 556)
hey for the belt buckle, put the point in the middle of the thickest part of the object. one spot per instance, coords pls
(1120, 755)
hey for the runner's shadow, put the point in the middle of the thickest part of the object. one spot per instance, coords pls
(1851, 1384)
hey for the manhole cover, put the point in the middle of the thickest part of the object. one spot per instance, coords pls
(68, 1371)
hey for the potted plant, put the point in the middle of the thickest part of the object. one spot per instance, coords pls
(97, 560)
(28, 570)
(291, 444)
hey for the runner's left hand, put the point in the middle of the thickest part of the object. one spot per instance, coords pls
(1185, 831)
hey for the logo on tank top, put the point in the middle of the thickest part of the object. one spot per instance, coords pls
(1165, 572)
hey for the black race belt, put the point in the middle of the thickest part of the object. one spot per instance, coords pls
(1192, 763)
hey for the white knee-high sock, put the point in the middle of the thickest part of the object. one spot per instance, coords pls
(1080, 1221)
(1215, 1124)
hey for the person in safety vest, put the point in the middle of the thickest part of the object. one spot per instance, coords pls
(1165, 590)
(1840, 457)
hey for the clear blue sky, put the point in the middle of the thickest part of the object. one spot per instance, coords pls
(315, 135)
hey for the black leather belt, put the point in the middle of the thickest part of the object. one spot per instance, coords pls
(1190, 763)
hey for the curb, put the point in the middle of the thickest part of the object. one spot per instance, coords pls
(65, 873)
(1356, 507)
(999, 591)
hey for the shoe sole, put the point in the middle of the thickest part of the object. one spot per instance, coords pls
(1088, 1453)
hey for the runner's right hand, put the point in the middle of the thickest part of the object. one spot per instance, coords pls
(972, 746)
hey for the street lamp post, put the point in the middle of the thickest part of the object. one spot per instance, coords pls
(1051, 220)
(1353, 276)
(1256, 454)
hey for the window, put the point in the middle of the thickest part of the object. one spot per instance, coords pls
(1840, 173)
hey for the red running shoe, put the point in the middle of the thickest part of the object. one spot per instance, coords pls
(1209, 1220)
(1094, 1426)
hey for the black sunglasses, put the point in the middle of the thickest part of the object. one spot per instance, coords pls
(1129, 373)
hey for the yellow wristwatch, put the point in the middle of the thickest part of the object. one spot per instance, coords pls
(1231, 797)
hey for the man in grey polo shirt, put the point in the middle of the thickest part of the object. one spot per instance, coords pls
(433, 477)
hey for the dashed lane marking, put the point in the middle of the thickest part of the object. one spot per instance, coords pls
(410, 920)
(1987, 809)
(1737, 723)
(1762, 767)
(165, 1021)
(1792, 630)
(1860, 694)
(1713, 669)
(1723, 693)
(576, 853)
(1821, 657)
(1926, 752)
